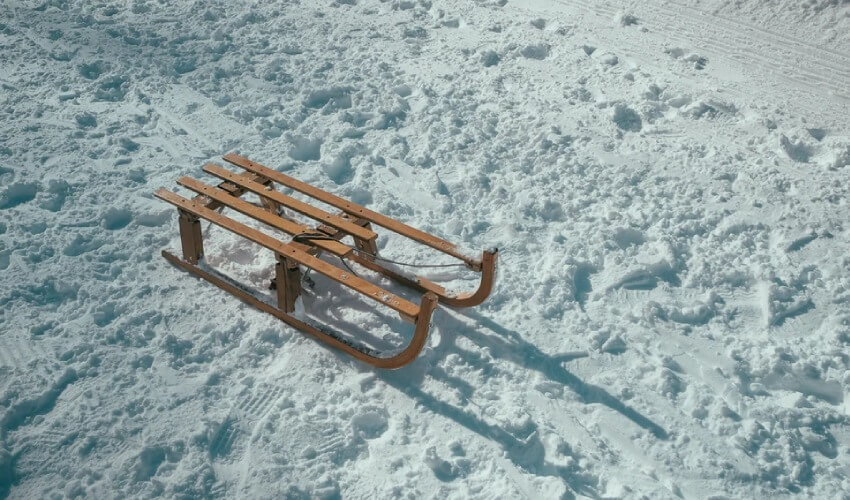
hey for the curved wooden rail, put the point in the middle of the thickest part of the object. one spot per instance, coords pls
(406, 356)
(488, 277)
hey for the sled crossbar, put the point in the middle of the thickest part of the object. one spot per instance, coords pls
(303, 245)
(290, 202)
(353, 209)
(261, 215)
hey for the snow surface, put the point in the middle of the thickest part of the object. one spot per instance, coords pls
(668, 183)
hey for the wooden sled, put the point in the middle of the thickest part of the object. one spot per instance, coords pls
(307, 243)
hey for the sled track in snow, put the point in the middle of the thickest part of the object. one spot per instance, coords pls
(784, 57)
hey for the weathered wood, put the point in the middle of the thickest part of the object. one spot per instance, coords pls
(368, 247)
(261, 215)
(191, 238)
(290, 202)
(343, 277)
(353, 209)
(233, 189)
(287, 282)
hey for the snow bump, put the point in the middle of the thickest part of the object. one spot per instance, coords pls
(17, 194)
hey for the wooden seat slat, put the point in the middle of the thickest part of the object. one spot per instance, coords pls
(343, 277)
(352, 208)
(236, 190)
(290, 202)
(224, 198)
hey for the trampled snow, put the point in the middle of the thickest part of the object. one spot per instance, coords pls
(667, 183)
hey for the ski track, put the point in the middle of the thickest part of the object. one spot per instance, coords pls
(814, 68)
(672, 308)
(769, 57)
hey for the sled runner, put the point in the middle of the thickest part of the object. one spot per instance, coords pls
(306, 244)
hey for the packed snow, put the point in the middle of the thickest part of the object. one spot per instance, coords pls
(667, 182)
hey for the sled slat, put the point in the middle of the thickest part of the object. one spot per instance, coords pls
(225, 199)
(352, 208)
(235, 190)
(343, 277)
(290, 202)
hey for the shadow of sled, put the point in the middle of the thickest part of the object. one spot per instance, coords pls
(509, 345)
(525, 451)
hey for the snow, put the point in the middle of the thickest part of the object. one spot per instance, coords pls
(667, 183)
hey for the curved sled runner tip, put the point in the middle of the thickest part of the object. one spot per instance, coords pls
(488, 277)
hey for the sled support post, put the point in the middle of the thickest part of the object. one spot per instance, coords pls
(368, 246)
(287, 282)
(190, 237)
